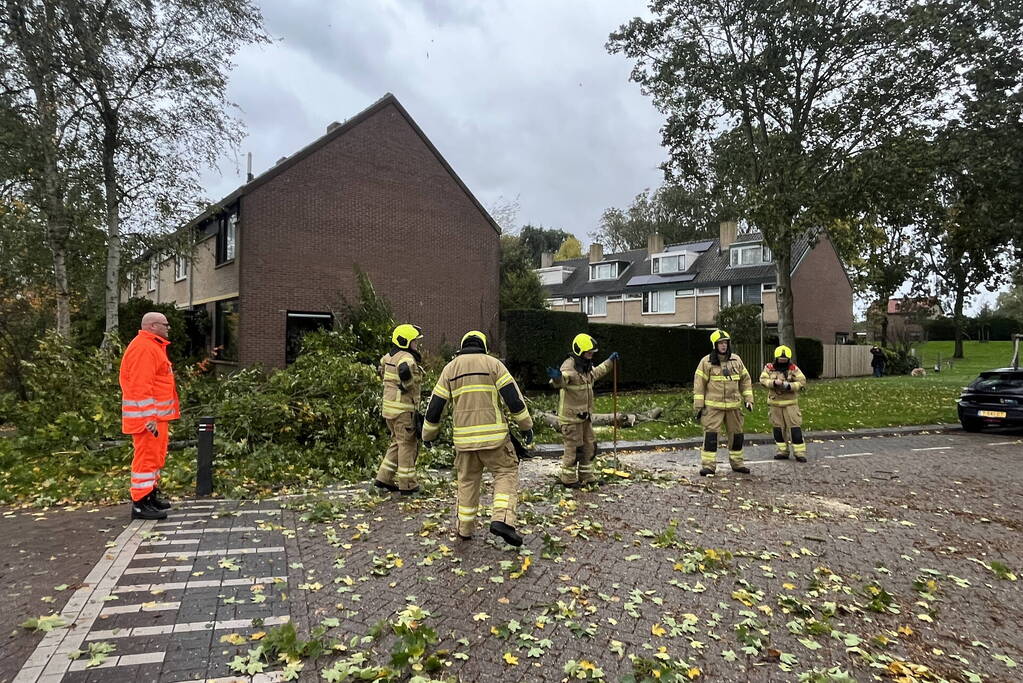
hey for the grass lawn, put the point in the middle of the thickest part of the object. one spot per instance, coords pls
(826, 404)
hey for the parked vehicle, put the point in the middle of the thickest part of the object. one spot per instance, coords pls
(995, 398)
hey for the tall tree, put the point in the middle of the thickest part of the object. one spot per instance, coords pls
(679, 213)
(537, 240)
(154, 75)
(785, 95)
(520, 286)
(571, 248)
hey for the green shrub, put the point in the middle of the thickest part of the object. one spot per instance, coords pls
(742, 322)
(899, 361)
(810, 356)
(537, 339)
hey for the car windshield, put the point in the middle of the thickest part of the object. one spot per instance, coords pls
(999, 383)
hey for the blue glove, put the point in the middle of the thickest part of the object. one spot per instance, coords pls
(613, 357)
(554, 373)
(527, 437)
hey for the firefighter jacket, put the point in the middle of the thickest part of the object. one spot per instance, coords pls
(472, 383)
(779, 396)
(576, 390)
(147, 383)
(402, 382)
(724, 386)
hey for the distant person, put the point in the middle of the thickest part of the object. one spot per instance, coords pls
(574, 380)
(475, 384)
(402, 378)
(149, 402)
(721, 388)
(878, 360)
(784, 380)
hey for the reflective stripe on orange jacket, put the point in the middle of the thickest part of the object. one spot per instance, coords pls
(147, 384)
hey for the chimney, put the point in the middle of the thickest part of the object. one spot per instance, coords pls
(655, 243)
(546, 259)
(596, 253)
(248, 169)
(332, 125)
(280, 160)
(728, 230)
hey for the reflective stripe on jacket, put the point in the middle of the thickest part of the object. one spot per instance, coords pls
(576, 390)
(400, 396)
(472, 383)
(147, 383)
(779, 397)
(725, 386)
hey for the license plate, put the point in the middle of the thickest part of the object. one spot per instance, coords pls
(991, 413)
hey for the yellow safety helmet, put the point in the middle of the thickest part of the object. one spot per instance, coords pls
(404, 335)
(719, 335)
(479, 335)
(583, 343)
(783, 352)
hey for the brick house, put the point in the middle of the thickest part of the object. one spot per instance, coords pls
(687, 284)
(274, 258)
(906, 317)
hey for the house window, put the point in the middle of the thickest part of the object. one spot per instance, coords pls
(604, 271)
(595, 305)
(750, 255)
(751, 294)
(614, 297)
(225, 330)
(768, 287)
(154, 273)
(227, 237)
(707, 291)
(133, 285)
(180, 268)
(668, 264)
(299, 325)
(685, 292)
(659, 302)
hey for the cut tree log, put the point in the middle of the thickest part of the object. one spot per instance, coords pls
(606, 419)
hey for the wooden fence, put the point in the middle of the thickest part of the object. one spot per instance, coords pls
(839, 360)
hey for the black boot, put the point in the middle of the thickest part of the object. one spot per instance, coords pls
(158, 501)
(782, 456)
(507, 532)
(410, 492)
(704, 471)
(144, 509)
(800, 458)
(384, 485)
(741, 469)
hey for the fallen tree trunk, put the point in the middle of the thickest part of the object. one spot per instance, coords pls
(606, 419)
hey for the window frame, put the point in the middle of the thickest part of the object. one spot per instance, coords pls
(663, 296)
(595, 268)
(154, 274)
(181, 267)
(657, 266)
(227, 238)
(219, 329)
(736, 252)
(590, 309)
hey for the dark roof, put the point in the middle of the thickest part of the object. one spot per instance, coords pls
(711, 269)
(331, 135)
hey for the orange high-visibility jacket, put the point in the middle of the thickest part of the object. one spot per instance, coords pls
(147, 383)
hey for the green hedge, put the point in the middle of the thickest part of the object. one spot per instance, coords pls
(536, 340)
(810, 356)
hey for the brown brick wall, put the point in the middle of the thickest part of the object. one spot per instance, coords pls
(376, 197)
(823, 297)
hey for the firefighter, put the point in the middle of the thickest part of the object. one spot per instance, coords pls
(472, 382)
(721, 388)
(575, 380)
(402, 376)
(784, 381)
(149, 402)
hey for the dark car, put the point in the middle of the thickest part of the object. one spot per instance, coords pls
(995, 399)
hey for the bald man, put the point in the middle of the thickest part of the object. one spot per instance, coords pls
(149, 402)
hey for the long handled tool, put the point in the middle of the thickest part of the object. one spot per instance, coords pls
(614, 402)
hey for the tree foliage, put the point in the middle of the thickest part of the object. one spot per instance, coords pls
(741, 321)
(571, 248)
(537, 240)
(520, 286)
(678, 213)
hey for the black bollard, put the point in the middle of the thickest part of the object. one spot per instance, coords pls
(204, 464)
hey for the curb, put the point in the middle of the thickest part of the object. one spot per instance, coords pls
(550, 450)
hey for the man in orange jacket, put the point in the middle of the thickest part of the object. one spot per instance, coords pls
(149, 402)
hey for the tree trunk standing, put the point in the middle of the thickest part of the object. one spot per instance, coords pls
(884, 324)
(957, 315)
(112, 204)
(783, 293)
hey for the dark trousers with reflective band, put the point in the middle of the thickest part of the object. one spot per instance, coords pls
(469, 466)
(149, 458)
(400, 460)
(722, 428)
(580, 447)
(788, 429)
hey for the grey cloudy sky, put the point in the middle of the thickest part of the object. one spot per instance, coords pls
(520, 97)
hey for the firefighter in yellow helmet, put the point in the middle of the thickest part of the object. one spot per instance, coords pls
(784, 381)
(402, 377)
(575, 380)
(472, 383)
(721, 388)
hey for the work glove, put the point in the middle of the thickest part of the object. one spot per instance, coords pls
(554, 373)
(788, 386)
(613, 357)
(698, 414)
(428, 444)
(778, 383)
(527, 437)
(153, 429)
(749, 406)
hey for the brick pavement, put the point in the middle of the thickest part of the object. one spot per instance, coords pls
(649, 571)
